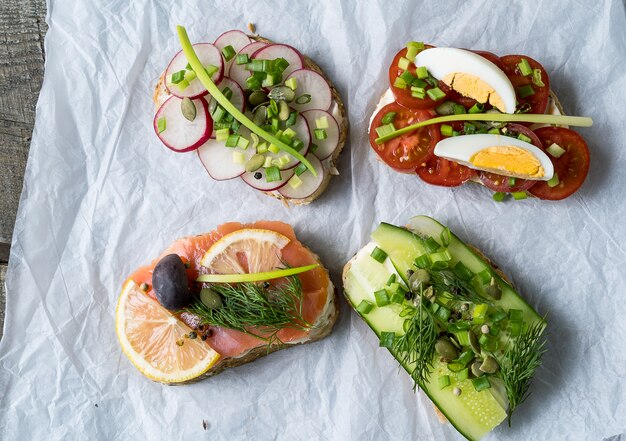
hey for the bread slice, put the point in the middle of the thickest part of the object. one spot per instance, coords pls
(330, 165)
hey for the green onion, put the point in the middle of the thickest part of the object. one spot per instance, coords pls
(238, 157)
(413, 48)
(446, 130)
(275, 124)
(364, 307)
(218, 114)
(511, 182)
(554, 181)
(431, 245)
(556, 150)
(442, 256)
(480, 311)
(280, 64)
(525, 91)
(515, 328)
(494, 131)
(443, 314)
(465, 357)
(289, 133)
(177, 77)
(435, 93)
(519, 195)
(403, 63)
(421, 72)
(498, 315)
(419, 83)
(242, 59)
(273, 148)
(227, 92)
(462, 337)
(161, 125)
(272, 174)
(462, 375)
(476, 108)
(481, 383)
(418, 92)
(243, 143)
(378, 255)
(221, 135)
(407, 77)
(498, 196)
(254, 277)
(389, 117)
(292, 119)
(423, 261)
(228, 52)
(397, 295)
(516, 315)
(461, 271)
(255, 140)
(272, 78)
(262, 147)
(455, 366)
(234, 125)
(494, 330)
(321, 134)
(385, 130)
(458, 326)
(303, 99)
(445, 237)
(399, 83)
(386, 339)
(321, 122)
(253, 83)
(524, 138)
(232, 140)
(484, 276)
(313, 148)
(444, 381)
(524, 67)
(391, 279)
(469, 128)
(292, 83)
(459, 109)
(537, 81)
(297, 144)
(301, 168)
(382, 299)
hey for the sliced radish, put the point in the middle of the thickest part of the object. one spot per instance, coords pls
(309, 183)
(208, 55)
(238, 99)
(218, 160)
(313, 84)
(237, 39)
(325, 147)
(273, 51)
(262, 184)
(180, 134)
(238, 72)
(302, 133)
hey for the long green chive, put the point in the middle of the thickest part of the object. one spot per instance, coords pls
(386, 339)
(525, 91)
(365, 307)
(446, 130)
(481, 383)
(435, 93)
(555, 150)
(385, 130)
(382, 298)
(554, 181)
(272, 174)
(537, 81)
(476, 108)
(228, 52)
(389, 117)
(524, 67)
(519, 195)
(444, 381)
(378, 255)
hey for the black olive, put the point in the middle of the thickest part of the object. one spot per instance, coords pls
(258, 175)
(170, 283)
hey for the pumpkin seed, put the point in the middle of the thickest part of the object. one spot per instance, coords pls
(446, 349)
(476, 369)
(493, 289)
(283, 113)
(473, 341)
(257, 97)
(260, 115)
(418, 278)
(255, 162)
(188, 109)
(282, 93)
(489, 365)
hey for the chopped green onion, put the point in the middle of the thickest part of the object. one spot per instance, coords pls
(364, 307)
(459, 109)
(431, 245)
(272, 78)
(232, 140)
(301, 168)
(484, 276)
(419, 83)
(462, 271)
(242, 59)
(465, 357)
(280, 64)
(389, 117)
(462, 374)
(455, 366)
(537, 81)
(386, 339)
(399, 83)
(421, 72)
(519, 195)
(442, 256)
(294, 182)
(498, 315)
(273, 148)
(445, 237)
(303, 99)
(292, 83)
(524, 67)
(292, 119)
(382, 299)
(498, 196)
(227, 92)
(297, 144)
(262, 148)
(413, 48)
(556, 150)
(268, 162)
(177, 77)
(481, 383)
(397, 294)
(161, 125)
(253, 83)
(443, 314)
(524, 138)
(272, 174)
(511, 182)
(476, 108)
(469, 128)
(320, 134)
(378, 255)
(255, 140)
(313, 148)
(444, 381)
(525, 91)
(446, 130)
(403, 63)
(238, 157)
(554, 181)
(322, 122)
(218, 114)
(391, 279)
(407, 77)
(289, 133)
(221, 135)
(385, 129)
(435, 93)
(418, 92)
(183, 85)
(275, 124)
(494, 131)
(228, 52)
(480, 311)
(190, 75)
(462, 337)
(516, 315)
(422, 261)
(234, 125)
(210, 69)
(515, 328)
(243, 143)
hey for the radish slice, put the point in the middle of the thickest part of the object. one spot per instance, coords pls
(309, 184)
(180, 134)
(208, 55)
(237, 39)
(273, 51)
(302, 129)
(218, 159)
(325, 147)
(238, 99)
(262, 184)
(313, 84)
(238, 72)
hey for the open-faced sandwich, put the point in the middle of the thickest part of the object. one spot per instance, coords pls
(453, 116)
(222, 299)
(451, 319)
(254, 110)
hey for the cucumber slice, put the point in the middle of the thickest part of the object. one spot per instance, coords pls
(472, 413)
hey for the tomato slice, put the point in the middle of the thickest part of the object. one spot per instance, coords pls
(539, 100)
(406, 152)
(571, 168)
(403, 96)
(445, 173)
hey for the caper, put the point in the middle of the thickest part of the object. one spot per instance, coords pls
(418, 279)
(493, 289)
(255, 162)
(473, 341)
(282, 93)
(489, 365)
(257, 97)
(283, 112)
(210, 298)
(475, 368)
(446, 349)
(260, 115)
(188, 109)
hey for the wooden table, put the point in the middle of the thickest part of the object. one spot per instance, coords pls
(22, 31)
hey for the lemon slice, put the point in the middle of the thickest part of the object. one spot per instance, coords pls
(156, 342)
(246, 251)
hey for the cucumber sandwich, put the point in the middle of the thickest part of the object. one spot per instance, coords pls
(453, 322)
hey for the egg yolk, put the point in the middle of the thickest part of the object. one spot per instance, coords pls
(512, 160)
(473, 87)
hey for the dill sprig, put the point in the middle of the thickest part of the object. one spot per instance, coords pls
(461, 290)
(521, 359)
(255, 310)
(417, 345)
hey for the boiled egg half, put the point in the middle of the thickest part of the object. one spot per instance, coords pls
(471, 75)
(498, 154)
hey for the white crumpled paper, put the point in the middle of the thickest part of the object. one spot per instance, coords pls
(102, 196)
